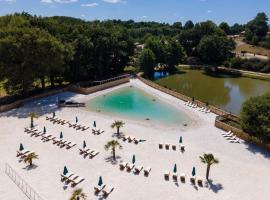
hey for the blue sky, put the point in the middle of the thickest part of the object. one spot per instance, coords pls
(170, 11)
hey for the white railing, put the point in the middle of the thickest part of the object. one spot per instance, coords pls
(25, 188)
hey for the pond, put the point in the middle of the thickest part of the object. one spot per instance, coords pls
(225, 92)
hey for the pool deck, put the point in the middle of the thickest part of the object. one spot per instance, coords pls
(243, 171)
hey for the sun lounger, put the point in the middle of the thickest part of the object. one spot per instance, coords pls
(130, 167)
(21, 153)
(130, 139)
(183, 177)
(167, 175)
(125, 137)
(49, 139)
(175, 176)
(199, 181)
(182, 148)
(69, 145)
(192, 179)
(174, 147)
(136, 141)
(84, 150)
(93, 154)
(107, 191)
(138, 169)
(229, 135)
(160, 145)
(97, 189)
(122, 165)
(226, 133)
(76, 181)
(67, 176)
(85, 128)
(167, 146)
(237, 140)
(57, 141)
(147, 171)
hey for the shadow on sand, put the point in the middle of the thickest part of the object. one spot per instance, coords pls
(215, 187)
(257, 150)
(112, 161)
(41, 106)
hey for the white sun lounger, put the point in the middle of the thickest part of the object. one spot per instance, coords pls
(70, 145)
(166, 174)
(97, 189)
(76, 181)
(199, 181)
(193, 179)
(107, 191)
(226, 133)
(23, 152)
(67, 176)
(93, 154)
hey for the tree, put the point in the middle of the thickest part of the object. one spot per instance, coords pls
(215, 49)
(188, 25)
(29, 158)
(113, 144)
(147, 62)
(118, 125)
(258, 27)
(78, 194)
(209, 160)
(175, 55)
(32, 115)
(255, 117)
(225, 27)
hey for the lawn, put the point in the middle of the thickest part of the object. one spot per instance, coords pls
(250, 48)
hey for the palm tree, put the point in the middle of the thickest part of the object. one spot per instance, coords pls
(32, 115)
(209, 160)
(113, 144)
(29, 158)
(118, 125)
(78, 195)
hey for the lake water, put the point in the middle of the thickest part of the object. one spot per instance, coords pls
(225, 92)
(134, 103)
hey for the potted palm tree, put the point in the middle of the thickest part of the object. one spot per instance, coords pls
(113, 144)
(29, 158)
(78, 195)
(209, 160)
(32, 115)
(118, 125)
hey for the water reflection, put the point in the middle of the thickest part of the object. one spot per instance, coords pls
(225, 92)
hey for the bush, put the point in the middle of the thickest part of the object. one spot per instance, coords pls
(255, 117)
(254, 64)
(236, 62)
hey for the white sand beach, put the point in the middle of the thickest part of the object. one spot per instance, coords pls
(243, 172)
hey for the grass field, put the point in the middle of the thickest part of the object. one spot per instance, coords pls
(250, 48)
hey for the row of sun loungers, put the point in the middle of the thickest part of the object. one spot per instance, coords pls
(182, 178)
(231, 137)
(204, 109)
(78, 126)
(72, 178)
(24, 153)
(193, 105)
(47, 137)
(57, 120)
(130, 139)
(88, 152)
(173, 146)
(106, 191)
(136, 169)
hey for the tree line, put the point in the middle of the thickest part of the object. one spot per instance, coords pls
(47, 51)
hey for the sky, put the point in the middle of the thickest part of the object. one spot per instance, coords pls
(168, 11)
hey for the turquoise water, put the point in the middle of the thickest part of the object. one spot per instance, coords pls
(133, 103)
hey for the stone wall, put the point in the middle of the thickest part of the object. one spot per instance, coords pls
(4, 108)
(89, 90)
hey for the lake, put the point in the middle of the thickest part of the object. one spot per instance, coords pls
(225, 92)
